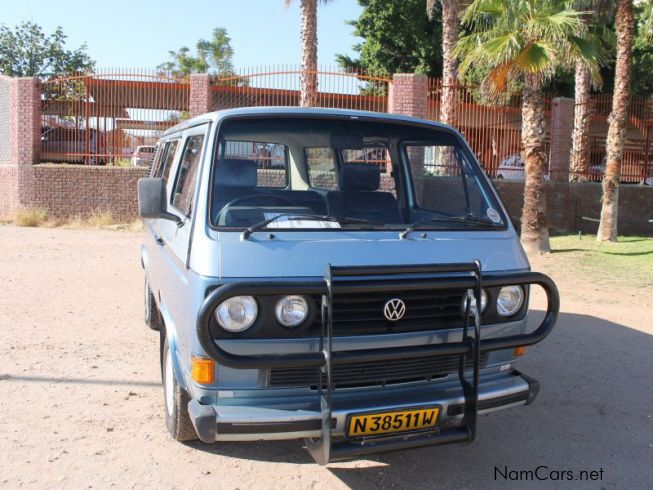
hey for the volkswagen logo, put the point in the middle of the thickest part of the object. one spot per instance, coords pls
(394, 309)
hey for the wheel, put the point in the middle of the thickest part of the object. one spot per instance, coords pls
(176, 401)
(151, 312)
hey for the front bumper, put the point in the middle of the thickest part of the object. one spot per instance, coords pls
(247, 423)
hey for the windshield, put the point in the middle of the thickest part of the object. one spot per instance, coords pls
(292, 173)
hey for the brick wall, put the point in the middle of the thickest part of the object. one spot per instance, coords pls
(568, 202)
(9, 185)
(5, 109)
(65, 191)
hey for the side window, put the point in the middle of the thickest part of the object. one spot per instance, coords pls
(182, 196)
(167, 157)
(156, 161)
(321, 168)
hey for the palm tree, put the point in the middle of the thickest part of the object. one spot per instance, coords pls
(584, 79)
(617, 121)
(580, 149)
(526, 40)
(308, 79)
(450, 22)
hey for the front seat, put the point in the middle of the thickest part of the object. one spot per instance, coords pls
(358, 195)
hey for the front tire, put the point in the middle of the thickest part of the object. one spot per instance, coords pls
(176, 401)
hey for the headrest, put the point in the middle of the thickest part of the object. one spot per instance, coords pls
(236, 172)
(360, 177)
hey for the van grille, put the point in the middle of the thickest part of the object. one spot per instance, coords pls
(428, 309)
(379, 373)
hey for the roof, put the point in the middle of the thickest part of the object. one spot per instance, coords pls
(300, 111)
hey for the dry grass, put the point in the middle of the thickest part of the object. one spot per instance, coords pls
(98, 220)
(30, 217)
(101, 220)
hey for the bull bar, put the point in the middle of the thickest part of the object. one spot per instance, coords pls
(340, 279)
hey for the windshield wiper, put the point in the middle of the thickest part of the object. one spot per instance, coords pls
(468, 218)
(314, 217)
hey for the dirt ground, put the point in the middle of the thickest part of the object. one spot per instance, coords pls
(81, 404)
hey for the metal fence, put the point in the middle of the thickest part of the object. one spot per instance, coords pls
(280, 86)
(637, 164)
(493, 130)
(105, 117)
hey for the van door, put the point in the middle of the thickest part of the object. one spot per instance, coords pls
(154, 243)
(176, 236)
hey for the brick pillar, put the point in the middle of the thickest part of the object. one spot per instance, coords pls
(25, 120)
(408, 94)
(562, 125)
(201, 96)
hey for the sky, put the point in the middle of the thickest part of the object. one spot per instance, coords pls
(139, 33)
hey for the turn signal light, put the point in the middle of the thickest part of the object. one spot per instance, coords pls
(519, 351)
(202, 370)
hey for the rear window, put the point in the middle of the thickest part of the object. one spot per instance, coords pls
(271, 160)
(321, 168)
(377, 156)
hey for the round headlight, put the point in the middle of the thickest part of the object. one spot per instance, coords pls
(472, 301)
(291, 311)
(510, 300)
(237, 314)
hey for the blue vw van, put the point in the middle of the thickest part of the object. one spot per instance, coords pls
(349, 279)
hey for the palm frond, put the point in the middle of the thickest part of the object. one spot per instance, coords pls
(537, 58)
(513, 38)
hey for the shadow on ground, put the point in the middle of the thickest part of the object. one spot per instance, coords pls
(594, 411)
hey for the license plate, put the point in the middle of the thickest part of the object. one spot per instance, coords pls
(390, 422)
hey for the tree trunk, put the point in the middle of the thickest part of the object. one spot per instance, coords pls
(308, 81)
(580, 151)
(534, 231)
(617, 121)
(450, 21)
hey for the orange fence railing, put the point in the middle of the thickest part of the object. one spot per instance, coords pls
(109, 116)
(493, 130)
(115, 116)
(637, 163)
(280, 86)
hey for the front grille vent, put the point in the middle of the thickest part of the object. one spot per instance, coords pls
(427, 309)
(372, 373)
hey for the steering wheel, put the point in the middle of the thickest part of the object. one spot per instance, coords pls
(253, 197)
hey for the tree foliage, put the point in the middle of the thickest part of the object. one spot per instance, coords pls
(397, 37)
(212, 56)
(521, 37)
(27, 51)
(642, 83)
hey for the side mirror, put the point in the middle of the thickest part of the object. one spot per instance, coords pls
(152, 200)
